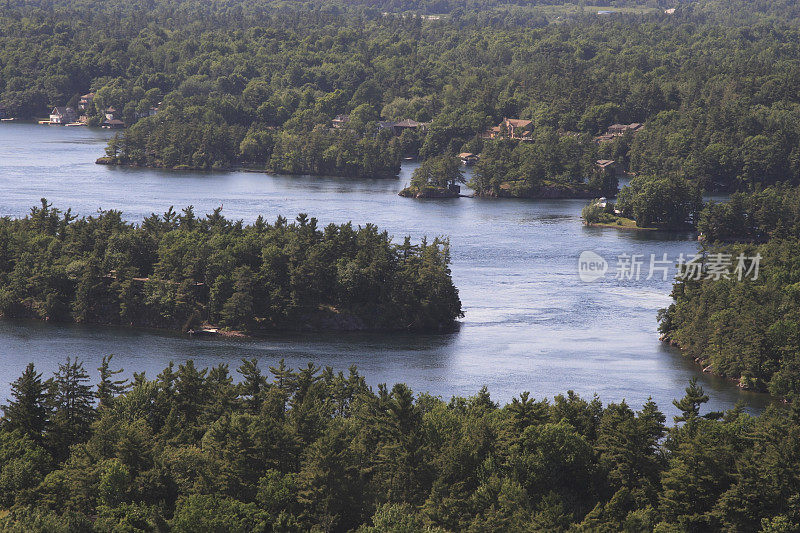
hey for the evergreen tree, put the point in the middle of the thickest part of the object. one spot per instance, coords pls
(439, 171)
(401, 457)
(222, 394)
(72, 403)
(330, 483)
(238, 311)
(190, 392)
(284, 379)
(28, 409)
(90, 294)
(690, 404)
(341, 451)
(253, 384)
(108, 387)
(526, 411)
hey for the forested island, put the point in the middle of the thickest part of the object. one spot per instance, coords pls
(315, 450)
(437, 177)
(181, 271)
(555, 98)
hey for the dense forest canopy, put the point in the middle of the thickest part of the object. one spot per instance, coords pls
(753, 217)
(260, 84)
(181, 271)
(315, 450)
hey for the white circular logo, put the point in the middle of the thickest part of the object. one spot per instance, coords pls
(591, 266)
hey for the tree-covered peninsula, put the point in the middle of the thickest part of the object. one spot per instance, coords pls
(745, 329)
(286, 450)
(649, 202)
(180, 271)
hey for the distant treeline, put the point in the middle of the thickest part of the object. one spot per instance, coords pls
(179, 271)
(258, 83)
(316, 450)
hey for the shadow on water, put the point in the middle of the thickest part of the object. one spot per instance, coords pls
(643, 235)
(380, 357)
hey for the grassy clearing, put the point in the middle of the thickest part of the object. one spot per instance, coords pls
(620, 223)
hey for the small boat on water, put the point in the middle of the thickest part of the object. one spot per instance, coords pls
(203, 332)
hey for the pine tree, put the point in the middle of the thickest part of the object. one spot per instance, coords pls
(330, 484)
(28, 410)
(615, 440)
(238, 310)
(305, 378)
(108, 388)
(526, 411)
(284, 379)
(90, 293)
(690, 404)
(482, 401)
(401, 455)
(222, 394)
(651, 429)
(72, 401)
(252, 386)
(190, 391)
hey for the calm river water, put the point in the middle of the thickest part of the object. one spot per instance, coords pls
(531, 324)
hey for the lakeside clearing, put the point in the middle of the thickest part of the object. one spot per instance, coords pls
(622, 223)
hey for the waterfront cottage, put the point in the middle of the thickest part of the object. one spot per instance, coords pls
(146, 113)
(512, 128)
(608, 166)
(517, 128)
(468, 158)
(399, 127)
(86, 101)
(340, 121)
(491, 133)
(408, 124)
(621, 129)
(617, 130)
(113, 124)
(62, 115)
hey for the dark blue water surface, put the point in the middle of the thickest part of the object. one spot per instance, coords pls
(531, 324)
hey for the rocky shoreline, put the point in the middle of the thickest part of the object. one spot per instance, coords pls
(708, 368)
